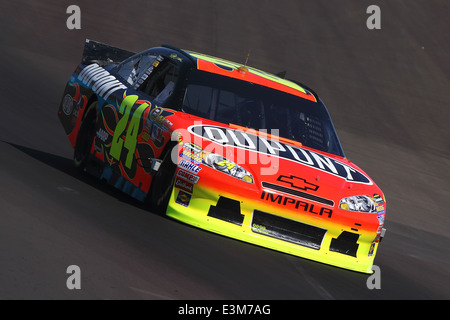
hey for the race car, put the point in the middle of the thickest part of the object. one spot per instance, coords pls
(224, 147)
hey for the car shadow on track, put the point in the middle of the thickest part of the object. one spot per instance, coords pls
(66, 166)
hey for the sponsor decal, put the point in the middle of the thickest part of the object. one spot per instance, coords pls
(71, 105)
(184, 185)
(67, 104)
(192, 147)
(378, 198)
(157, 135)
(194, 153)
(157, 117)
(102, 135)
(258, 143)
(298, 183)
(145, 136)
(187, 176)
(189, 166)
(259, 229)
(372, 249)
(296, 204)
(183, 198)
(102, 82)
(175, 57)
(191, 156)
(380, 209)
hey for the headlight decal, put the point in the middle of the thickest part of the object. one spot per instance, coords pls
(361, 203)
(224, 165)
(194, 153)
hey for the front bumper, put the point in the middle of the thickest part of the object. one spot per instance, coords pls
(276, 227)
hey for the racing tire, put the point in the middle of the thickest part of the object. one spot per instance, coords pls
(85, 138)
(162, 184)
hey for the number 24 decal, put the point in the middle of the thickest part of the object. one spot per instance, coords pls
(130, 141)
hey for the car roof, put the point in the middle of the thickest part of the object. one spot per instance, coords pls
(243, 72)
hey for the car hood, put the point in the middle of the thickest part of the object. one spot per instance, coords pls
(279, 164)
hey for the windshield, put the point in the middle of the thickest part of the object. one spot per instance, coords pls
(233, 101)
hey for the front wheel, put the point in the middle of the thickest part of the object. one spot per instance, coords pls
(85, 138)
(162, 183)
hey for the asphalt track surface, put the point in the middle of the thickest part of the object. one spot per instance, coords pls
(387, 91)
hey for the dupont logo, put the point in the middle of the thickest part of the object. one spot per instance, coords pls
(101, 80)
(250, 141)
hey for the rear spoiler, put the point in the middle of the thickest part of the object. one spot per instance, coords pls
(103, 54)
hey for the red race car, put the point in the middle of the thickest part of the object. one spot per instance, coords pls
(224, 147)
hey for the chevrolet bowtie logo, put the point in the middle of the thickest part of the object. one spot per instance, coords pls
(298, 183)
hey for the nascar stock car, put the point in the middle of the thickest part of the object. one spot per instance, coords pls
(224, 147)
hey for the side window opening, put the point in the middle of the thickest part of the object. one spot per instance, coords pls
(135, 70)
(160, 84)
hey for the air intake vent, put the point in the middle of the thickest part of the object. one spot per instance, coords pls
(345, 243)
(287, 229)
(228, 210)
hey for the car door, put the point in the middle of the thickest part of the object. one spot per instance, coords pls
(131, 130)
